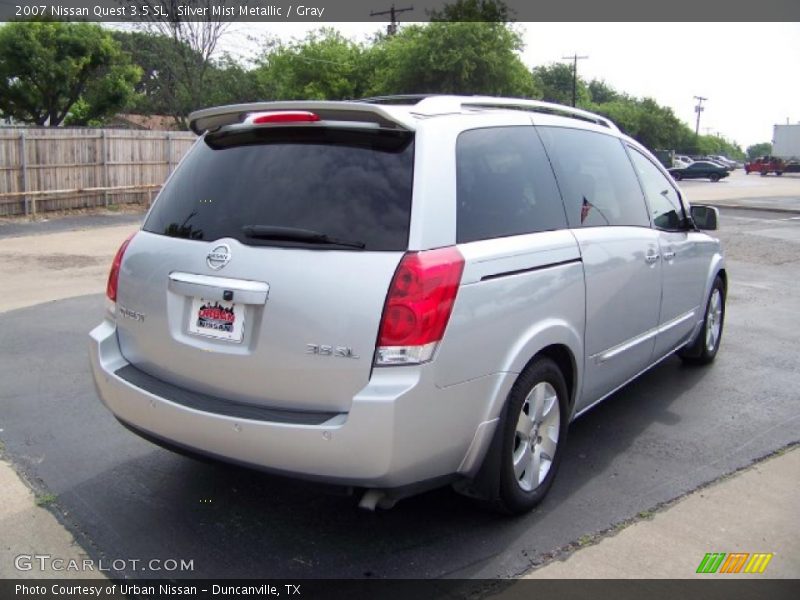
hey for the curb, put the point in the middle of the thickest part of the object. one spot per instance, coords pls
(776, 209)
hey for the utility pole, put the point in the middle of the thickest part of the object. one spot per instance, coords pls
(391, 28)
(574, 58)
(698, 109)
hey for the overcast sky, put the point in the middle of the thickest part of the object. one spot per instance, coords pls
(746, 70)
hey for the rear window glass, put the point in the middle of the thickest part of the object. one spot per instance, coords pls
(504, 185)
(347, 185)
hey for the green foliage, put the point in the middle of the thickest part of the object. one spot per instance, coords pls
(451, 58)
(713, 144)
(653, 125)
(323, 66)
(600, 92)
(161, 90)
(756, 150)
(45, 500)
(158, 92)
(555, 84)
(228, 82)
(79, 73)
(47, 67)
(473, 10)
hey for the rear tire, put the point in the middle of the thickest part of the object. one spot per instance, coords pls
(533, 436)
(677, 176)
(705, 347)
(714, 177)
(778, 173)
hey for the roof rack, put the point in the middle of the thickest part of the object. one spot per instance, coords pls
(432, 104)
(540, 107)
(398, 98)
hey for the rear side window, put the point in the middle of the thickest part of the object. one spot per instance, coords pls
(596, 179)
(504, 185)
(348, 185)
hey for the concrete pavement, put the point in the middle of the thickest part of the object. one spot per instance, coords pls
(753, 511)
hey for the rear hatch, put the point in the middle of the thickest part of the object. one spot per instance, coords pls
(262, 270)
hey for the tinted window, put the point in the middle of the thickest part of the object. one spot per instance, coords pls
(348, 185)
(504, 185)
(663, 200)
(595, 177)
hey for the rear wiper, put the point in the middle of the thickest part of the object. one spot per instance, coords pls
(296, 234)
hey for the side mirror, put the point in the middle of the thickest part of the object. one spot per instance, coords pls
(705, 217)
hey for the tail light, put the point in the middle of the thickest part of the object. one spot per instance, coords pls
(113, 276)
(418, 306)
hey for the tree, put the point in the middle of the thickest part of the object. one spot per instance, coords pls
(715, 144)
(49, 67)
(230, 83)
(554, 81)
(600, 92)
(473, 10)
(756, 150)
(194, 43)
(451, 58)
(158, 91)
(323, 66)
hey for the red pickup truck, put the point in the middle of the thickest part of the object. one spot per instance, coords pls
(771, 164)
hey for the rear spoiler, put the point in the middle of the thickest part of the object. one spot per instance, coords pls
(210, 119)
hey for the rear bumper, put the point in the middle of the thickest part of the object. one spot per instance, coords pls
(401, 429)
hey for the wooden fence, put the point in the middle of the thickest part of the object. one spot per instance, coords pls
(45, 169)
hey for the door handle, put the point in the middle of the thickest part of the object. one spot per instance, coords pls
(669, 255)
(651, 258)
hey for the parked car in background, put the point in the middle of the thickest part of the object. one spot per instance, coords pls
(713, 159)
(700, 169)
(684, 158)
(679, 163)
(401, 293)
(726, 162)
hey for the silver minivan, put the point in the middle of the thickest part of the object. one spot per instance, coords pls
(404, 292)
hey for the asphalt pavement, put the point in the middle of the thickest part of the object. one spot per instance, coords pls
(45, 225)
(664, 435)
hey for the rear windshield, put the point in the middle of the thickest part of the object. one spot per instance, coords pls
(347, 185)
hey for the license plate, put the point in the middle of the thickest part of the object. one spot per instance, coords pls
(217, 319)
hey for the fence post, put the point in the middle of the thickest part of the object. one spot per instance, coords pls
(104, 162)
(23, 171)
(169, 153)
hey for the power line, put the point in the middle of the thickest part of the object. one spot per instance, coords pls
(391, 28)
(574, 58)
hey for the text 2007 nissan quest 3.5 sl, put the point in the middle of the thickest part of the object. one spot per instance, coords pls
(404, 292)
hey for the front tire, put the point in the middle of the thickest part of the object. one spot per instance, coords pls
(705, 347)
(677, 176)
(714, 177)
(533, 436)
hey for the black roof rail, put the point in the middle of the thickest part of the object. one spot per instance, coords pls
(397, 98)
